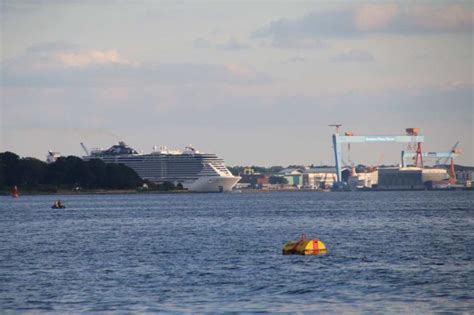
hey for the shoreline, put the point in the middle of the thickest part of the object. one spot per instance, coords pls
(94, 192)
(242, 191)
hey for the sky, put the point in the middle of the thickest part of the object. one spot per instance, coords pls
(256, 82)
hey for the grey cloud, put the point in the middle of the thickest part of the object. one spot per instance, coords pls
(202, 43)
(233, 44)
(296, 60)
(52, 46)
(39, 69)
(230, 44)
(333, 22)
(353, 21)
(354, 56)
(296, 43)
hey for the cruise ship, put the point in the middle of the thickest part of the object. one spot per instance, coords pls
(196, 171)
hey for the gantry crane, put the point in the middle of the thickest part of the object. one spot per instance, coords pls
(412, 136)
(442, 158)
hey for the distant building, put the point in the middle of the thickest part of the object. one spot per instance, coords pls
(264, 180)
(252, 180)
(364, 180)
(465, 177)
(400, 178)
(248, 171)
(410, 177)
(434, 175)
(319, 177)
(293, 176)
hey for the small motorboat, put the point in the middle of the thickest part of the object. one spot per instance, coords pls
(58, 205)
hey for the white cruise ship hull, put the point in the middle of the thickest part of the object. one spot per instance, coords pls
(212, 184)
(196, 171)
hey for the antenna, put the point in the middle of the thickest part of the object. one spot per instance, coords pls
(337, 127)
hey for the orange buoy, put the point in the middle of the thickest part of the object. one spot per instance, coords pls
(305, 247)
(15, 193)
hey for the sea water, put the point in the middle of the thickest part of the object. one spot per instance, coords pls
(389, 252)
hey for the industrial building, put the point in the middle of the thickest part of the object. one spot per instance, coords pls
(394, 178)
(293, 177)
(465, 177)
(400, 178)
(319, 177)
(363, 180)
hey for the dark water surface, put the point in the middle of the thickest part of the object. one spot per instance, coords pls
(389, 252)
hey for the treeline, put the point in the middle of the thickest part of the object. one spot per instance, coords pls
(65, 173)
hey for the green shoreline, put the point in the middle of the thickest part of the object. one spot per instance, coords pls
(95, 192)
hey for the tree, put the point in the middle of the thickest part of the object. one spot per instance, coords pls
(32, 172)
(9, 163)
(97, 173)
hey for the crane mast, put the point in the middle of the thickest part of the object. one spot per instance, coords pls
(85, 149)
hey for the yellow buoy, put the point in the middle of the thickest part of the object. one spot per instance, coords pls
(305, 247)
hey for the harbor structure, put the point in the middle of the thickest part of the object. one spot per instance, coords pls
(293, 177)
(393, 178)
(364, 180)
(319, 177)
(412, 136)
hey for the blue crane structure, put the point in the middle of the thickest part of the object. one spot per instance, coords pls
(412, 136)
(407, 156)
(442, 158)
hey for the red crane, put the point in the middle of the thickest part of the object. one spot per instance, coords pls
(418, 156)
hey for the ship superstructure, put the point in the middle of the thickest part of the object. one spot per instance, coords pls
(196, 171)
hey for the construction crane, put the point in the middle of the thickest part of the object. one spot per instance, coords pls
(454, 151)
(452, 171)
(412, 136)
(85, 149)
(337, 127)
(442, 158)
(419, 156)
(410, 156)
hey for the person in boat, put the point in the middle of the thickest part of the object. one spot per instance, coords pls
(58, 205)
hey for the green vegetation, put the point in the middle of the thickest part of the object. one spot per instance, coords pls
(68, 173)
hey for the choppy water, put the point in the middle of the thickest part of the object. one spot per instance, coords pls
(389, 252)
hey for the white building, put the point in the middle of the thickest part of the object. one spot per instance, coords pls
(319, 177)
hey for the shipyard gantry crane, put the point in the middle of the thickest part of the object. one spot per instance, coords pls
(412, 136)
(442, 158)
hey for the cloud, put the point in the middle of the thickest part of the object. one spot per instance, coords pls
(373, 17)
(52, 46)
(83, 59)
(353, 21)
(332, 22)
(233, 44)
(109, 68)
(296, 43)
(201, 43)
(354, 56)
(296, 59)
